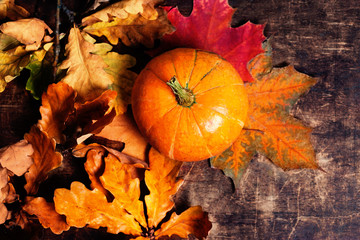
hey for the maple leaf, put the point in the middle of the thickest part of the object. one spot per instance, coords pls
(133, 30)
(270, 130)
(45, 159)
(9, 9)
(20, 30)
(12, 62)
(208, 28)
(122, 9)
(57, 103)
(124, 129)
(85, 70)
(46, 214)
(126, 212)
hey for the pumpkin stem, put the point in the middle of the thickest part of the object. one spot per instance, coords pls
(184, 96)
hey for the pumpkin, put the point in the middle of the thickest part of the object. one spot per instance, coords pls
(189, 104)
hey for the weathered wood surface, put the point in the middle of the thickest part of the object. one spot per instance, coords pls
(322, 39)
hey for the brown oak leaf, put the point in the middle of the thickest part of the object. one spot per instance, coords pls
(9, 9)
(45, 159)
(46, 214)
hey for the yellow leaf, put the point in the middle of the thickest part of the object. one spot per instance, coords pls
(11, 63)
(85, 70)
(122, 10)
(28, 31)
(46, 214)
(133, 30)
(118, 67)
(44, 157)
(9, 9)
(193, 221)
(162, 183)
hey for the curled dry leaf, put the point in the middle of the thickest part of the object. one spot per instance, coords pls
(45, 159)
(122, 9)
(133, 30)
(125, 213)
(57, 104)
(162, 183)
(85, 70)
(46, 214)
(9, 9)
(17, 157)
(208, 28)
(123, 128)
(20, 30)
(3, 194)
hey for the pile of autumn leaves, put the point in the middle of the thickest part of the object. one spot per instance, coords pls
(75, 109)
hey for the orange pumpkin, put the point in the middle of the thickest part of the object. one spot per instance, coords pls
(189, 104)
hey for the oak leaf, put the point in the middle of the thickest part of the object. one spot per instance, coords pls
(45, 159)
(46, 214)
(124, 129)
(4, 213)
(133, 30)
(57, 104)
(9, 9)
(270, 130)
(208, 28)
(30, 31)
(12, 61)
(122, 9)
(85, 70)
(126, 213)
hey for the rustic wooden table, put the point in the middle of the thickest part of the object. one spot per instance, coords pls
(320, 38)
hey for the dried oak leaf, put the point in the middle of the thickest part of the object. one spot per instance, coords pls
(85, 70)
(126, 212)
(4, 213)
(122, 9)
(133, 30)
(123, 128)
(270, 130)
(12, 61)
(45, 159)
(30, 31)
(57, 104)
(17, 157)
(208, 28)
(46, 214)
(9, 9)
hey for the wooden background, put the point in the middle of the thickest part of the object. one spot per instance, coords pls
(320, 38)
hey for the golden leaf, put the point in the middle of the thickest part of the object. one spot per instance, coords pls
(28, 31)
(162, 183)
(85, 70)
(46, 214)
(122, 9)
(44, 157)
(133, 30)
(11, 63)
(57, 104)
(9, 9)
(193, 221)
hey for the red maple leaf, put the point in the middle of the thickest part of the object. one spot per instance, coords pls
(209, 28)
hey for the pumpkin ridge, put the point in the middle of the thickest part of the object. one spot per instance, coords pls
(216, 87)
(157, 76)
(202, 135)
(160, 118)
(192, 69)
(172, 146)
(207, 74)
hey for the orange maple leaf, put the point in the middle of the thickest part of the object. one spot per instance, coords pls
(126, 213)
(270, 130)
